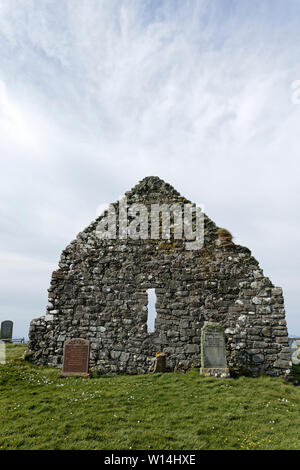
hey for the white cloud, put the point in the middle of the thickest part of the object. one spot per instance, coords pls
(23, 289)
(96, 95)
(14, 124)
(22, 274)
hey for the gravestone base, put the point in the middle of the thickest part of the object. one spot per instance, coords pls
(74, 374)
(222, 372)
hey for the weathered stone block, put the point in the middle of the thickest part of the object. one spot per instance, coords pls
(192, 348)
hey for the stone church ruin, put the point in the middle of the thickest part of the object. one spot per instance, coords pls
(99, 294)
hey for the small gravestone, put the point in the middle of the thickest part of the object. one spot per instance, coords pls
(213, 352)
(76, 357)
(6, 331)
(160, 363)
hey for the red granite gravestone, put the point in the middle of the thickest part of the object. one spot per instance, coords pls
(76, 357)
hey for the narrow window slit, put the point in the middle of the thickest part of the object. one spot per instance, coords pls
(151, 310)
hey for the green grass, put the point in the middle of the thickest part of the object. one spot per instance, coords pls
(40, 410)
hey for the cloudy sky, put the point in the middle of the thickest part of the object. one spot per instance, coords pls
(97, 94)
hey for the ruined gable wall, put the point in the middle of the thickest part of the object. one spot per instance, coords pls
(99, 293)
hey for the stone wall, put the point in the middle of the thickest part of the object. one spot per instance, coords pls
(99, 293)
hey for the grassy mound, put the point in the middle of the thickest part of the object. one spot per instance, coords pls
(40, 410)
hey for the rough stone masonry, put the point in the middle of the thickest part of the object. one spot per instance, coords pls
(99, 293)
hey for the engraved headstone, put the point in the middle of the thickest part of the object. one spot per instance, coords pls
(6, 330)
(76, 357)
(213, 352)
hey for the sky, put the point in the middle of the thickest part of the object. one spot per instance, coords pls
(97, 94)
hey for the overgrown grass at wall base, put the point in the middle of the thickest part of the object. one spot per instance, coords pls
(40, 410)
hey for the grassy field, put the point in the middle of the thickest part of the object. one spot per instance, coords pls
(40, 410)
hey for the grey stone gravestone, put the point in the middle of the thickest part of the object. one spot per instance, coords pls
(213, 352)
(6, 330)
(76, 357)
